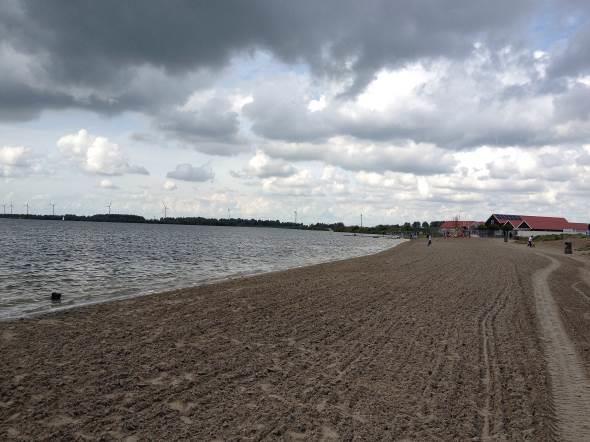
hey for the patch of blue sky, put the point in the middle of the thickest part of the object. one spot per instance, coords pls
(257, 65)
(72, 120)
(554, 23)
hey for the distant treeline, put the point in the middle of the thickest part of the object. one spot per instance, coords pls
(228, 222)
(109, 218)
(381, 229)
(193, 221)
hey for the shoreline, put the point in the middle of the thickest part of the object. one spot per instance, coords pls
(412, 342)
(207, 282)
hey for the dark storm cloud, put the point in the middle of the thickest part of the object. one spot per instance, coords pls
(575, 104)
(19, 101)
(22, 102)
(96, 44)
(209, 126)
(208, 122)
(575, 58)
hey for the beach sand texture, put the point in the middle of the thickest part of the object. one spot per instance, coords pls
(450, 342)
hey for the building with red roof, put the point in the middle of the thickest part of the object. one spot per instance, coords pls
(546, 223)
(537, 224)
(578, 227)
(500, 220)
(459, 227)
(449, 225)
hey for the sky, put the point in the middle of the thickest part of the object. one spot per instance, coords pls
(399, 111)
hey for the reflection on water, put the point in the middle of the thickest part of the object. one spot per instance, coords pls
(93, 262)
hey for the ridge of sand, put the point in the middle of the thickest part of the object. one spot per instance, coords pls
(570, 385)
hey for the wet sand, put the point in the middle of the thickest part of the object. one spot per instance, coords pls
(450, 342)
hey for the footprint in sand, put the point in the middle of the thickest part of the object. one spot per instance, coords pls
(61, 420)
(172, 301)
(49, 321)
(329, 434)
(181, 407)
(8, 335)
(158, 380)
(294, 435)
(165, 378)
(19, 377)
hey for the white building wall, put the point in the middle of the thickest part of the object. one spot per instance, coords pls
(528, 233)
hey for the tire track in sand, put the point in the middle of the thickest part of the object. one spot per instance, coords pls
(580, 291)
(488, 344)
(570, 387)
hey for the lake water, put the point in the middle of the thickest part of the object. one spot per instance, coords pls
(95, 262)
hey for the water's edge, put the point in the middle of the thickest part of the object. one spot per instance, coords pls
(206, 282)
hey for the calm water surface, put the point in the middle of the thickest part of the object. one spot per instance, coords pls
(95, 262)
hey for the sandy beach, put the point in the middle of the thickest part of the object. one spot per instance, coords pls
(470, 339)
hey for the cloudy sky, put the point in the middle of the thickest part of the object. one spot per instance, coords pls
(398, 110)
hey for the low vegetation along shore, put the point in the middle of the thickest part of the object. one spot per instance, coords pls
(470, 339)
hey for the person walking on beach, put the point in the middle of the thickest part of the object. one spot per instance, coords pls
(429, 240)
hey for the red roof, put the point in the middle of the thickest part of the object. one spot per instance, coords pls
(502, 219)
(514, 223)
(578, 227)
(550, 223)
(461, 224)
(545, 222)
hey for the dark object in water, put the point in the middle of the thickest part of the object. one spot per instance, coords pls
(55, 296)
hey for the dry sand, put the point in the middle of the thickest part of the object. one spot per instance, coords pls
(563, 306)
(451, 342)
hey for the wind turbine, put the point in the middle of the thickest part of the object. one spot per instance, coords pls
(4, 205)
(11, 207)
(109, 207)
(165, 210)
(295, 215)
(52, 209)
(27, 206)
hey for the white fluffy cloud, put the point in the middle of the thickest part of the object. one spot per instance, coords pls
(188, 172)
(15, 161)
(493, 97)
(97, 155)
(354, 155)
(14, 155)
(169, 185)
(107, 184)
(263, 166)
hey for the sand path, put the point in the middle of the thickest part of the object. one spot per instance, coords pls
(570, 385)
